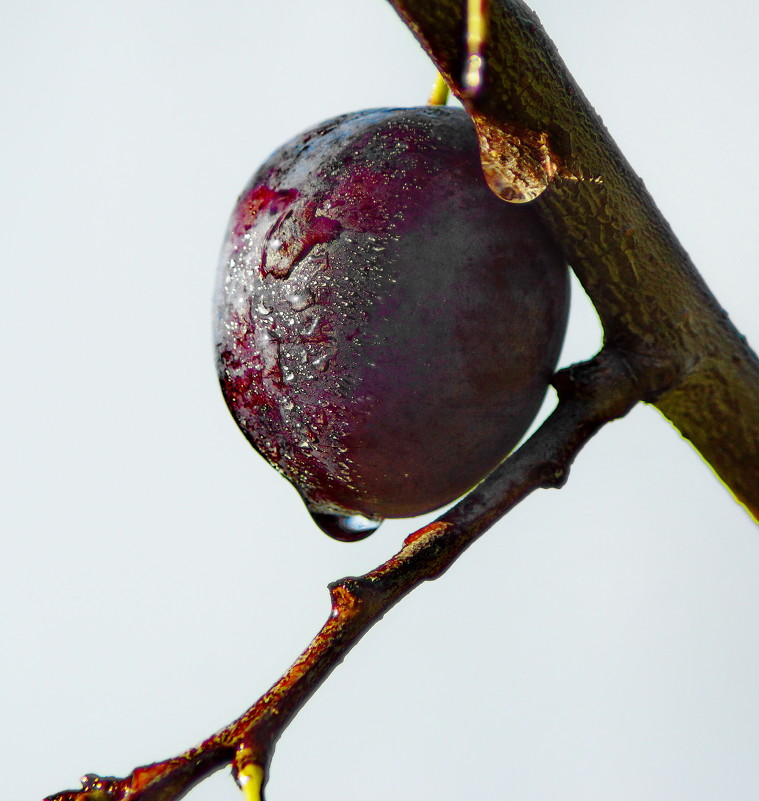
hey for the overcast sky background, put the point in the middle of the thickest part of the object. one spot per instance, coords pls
(599, 644)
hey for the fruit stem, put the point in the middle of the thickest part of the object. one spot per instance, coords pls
(439, 93)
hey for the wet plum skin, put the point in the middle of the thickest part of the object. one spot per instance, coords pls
(386, 327)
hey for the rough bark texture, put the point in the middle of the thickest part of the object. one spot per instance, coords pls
(536, 125)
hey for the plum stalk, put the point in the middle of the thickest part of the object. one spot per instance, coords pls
(439, 92)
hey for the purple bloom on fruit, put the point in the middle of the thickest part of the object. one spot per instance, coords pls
(386, 327)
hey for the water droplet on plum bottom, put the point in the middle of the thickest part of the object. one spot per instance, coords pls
(345, 528)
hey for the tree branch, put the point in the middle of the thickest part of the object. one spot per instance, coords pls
(536, 126)
(590, 395)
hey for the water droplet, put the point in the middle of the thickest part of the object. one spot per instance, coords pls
(268, 346)
(518, 164)
(513, 183)
(92, 782)
(262, 308)
(473, 75)
(476, 35)
(345, 528)
(327, 352)
(311, 325)
(300, 300)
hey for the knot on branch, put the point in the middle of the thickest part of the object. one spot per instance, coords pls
(354, 597)
(612, 382)
(555, 475)
(603, 385)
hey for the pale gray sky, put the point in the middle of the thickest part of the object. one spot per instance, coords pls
(598, 645)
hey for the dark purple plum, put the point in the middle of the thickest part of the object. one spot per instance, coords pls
(386, 327)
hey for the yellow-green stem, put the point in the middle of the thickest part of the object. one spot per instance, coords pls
(439, 93)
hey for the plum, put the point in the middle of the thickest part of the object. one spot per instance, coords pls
(386, 327)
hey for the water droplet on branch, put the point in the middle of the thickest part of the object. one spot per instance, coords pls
(518, 164)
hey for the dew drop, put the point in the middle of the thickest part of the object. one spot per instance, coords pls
(311, 326)
(327, 352)
(473, 74)
(512, 183)
(345, 528)
(268, 346)
(300, 300)
(518, 163)
(476, 34)
(91, 783)
(321, 363)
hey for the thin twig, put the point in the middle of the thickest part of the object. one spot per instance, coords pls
(590, 395)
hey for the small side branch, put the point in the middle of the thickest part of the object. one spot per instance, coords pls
(590, 395)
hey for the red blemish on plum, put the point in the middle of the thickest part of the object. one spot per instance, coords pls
(361, 202)
(293, 236)
(261, 198)
(319, 229)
